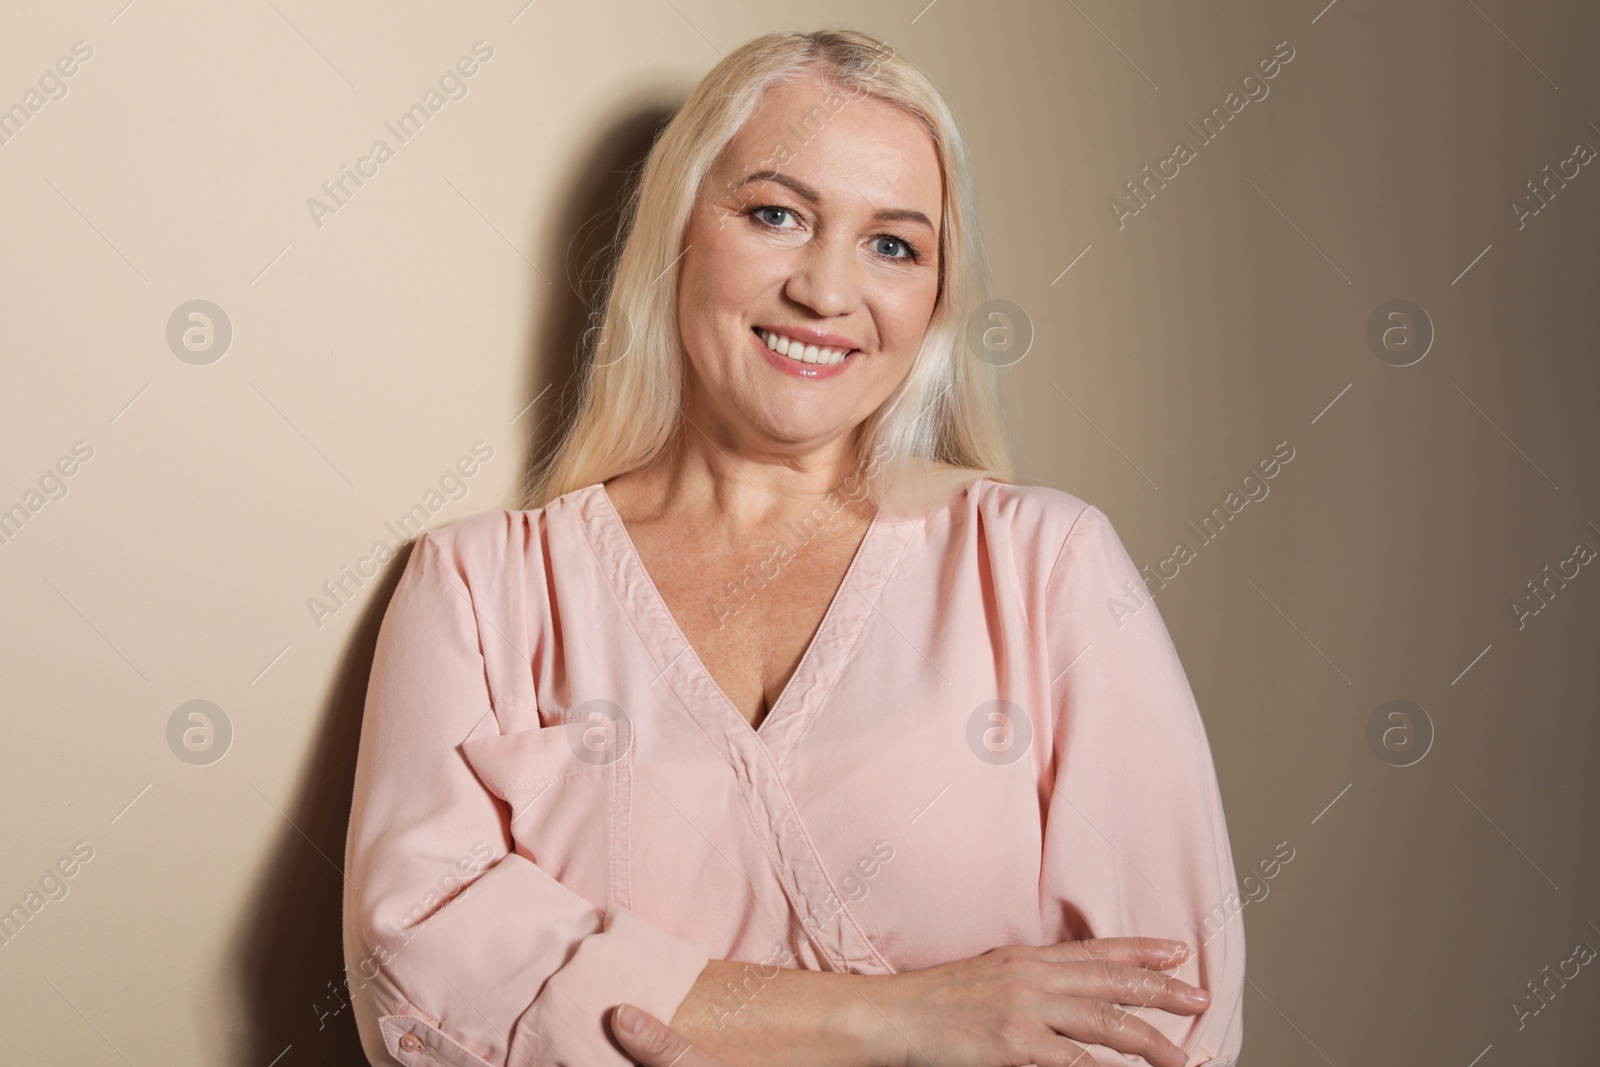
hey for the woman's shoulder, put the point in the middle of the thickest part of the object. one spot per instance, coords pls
(1040, 513)
(1053, 533)
(489, 536)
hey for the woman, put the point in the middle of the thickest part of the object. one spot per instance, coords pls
(781, 712)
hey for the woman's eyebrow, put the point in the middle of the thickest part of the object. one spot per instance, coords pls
(805, 192)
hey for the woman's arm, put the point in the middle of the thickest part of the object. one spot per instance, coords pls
(458, 949)
(757, 1016)
(1135, 842)
(1006, 1007)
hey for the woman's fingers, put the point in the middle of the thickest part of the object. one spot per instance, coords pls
(654, 1044)
(1106, 1024)
(1126, 972)
(1119, 983)
(1153, 952)
(1064, 1053)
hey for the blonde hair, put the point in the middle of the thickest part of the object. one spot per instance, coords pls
(943, 419)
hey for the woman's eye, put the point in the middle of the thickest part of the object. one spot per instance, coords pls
(896, 242)
(765, 215)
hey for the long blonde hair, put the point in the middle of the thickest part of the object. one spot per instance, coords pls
(945, 417)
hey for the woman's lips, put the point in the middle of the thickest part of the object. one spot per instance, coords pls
(799, 368)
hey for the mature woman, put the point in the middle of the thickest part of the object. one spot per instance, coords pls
(781, 712)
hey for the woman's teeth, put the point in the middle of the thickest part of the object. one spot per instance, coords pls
(803, 353)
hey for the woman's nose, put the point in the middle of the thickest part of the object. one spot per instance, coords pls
(826, 279)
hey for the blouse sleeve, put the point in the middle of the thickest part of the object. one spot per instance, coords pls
(458, 948)
(1135, 842)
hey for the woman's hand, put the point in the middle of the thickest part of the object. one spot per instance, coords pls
(1013, 1005)
(654, 1044)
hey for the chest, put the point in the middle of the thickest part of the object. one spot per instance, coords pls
(750, 614)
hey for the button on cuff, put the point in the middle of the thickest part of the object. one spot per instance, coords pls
(414, 1040)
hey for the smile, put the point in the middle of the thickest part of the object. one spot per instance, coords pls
(801, 352)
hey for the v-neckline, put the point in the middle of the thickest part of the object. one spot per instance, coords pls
(869, 568)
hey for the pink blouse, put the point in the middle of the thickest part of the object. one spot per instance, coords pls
(990, 740)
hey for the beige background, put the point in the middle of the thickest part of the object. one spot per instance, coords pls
(1230, 314)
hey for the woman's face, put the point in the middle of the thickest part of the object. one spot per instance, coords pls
(838, 235)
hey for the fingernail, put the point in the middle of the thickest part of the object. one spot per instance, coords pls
(1175, 951)
(630, 1019)
(1200, 996)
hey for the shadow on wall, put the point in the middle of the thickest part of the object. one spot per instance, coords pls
(595, 197)
(290, 950)
(289, 946)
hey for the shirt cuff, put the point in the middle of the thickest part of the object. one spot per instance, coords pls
(629, 960)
